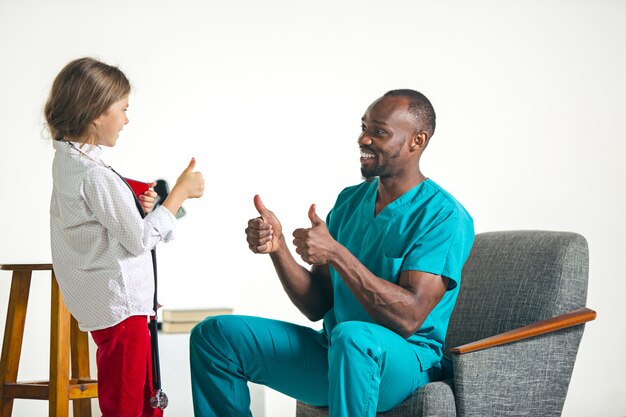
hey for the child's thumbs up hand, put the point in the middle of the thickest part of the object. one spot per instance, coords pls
(191, 166)
(190, 183)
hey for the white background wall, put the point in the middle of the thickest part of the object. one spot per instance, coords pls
(268, 97)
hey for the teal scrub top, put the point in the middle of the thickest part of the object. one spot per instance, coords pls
(425, 229)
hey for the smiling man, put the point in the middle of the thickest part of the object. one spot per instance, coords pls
(385, 275)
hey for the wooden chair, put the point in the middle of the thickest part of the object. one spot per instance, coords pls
(64, 337)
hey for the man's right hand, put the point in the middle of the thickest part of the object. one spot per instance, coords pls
(264, 234)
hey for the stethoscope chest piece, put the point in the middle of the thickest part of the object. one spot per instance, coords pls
(159, 400)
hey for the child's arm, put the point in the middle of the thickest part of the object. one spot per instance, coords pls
(113, 206)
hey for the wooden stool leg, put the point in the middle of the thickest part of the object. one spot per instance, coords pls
(59, 354)
(80, 367)
(13, 335)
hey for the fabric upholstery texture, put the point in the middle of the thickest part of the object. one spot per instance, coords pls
(526, 378)
(511, 279)
(438, 394)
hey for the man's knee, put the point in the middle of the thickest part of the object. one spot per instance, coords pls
(213, 330)
(354, 336)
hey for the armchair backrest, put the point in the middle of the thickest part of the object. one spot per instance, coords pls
(515, 278)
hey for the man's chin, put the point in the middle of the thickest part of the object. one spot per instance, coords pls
(368, 177)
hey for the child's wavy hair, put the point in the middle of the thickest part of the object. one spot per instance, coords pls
(84, 89)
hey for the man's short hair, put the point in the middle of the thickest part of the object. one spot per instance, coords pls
(419, 107)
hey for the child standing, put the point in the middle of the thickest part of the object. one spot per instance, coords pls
(100, 242)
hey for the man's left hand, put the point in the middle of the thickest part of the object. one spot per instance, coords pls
(315, 245)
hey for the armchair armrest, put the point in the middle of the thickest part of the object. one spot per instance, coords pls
(573, 318)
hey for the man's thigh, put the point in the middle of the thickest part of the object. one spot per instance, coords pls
(397, 369)
(289, 358)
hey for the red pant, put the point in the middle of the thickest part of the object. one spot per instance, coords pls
(124, 366)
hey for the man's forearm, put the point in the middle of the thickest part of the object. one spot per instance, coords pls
(304, 291)
(389, 304)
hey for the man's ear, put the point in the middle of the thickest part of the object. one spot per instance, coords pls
(420, 140)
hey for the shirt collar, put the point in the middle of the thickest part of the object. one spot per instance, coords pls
(397, 204)
(92, 150)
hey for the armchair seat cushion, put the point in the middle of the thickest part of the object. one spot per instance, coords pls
(432, 400)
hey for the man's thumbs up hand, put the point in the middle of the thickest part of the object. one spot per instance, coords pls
(263, 233)
(315, 245)
(260, 207)
(315, 220)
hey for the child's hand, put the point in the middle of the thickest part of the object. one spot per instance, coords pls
(190, 183)
(147, 199)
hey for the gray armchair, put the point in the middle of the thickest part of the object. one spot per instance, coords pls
(514, 332)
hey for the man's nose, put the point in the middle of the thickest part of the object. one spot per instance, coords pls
(364, 139)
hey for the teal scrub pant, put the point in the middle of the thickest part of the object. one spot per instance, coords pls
(358, 369)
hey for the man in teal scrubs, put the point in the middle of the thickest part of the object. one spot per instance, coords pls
(386, 270)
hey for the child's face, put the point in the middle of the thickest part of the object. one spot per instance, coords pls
(111, 122)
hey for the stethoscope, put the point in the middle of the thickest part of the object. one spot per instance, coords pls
(159, 398)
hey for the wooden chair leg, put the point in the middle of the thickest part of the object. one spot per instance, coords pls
(80, 366)
(13, 334)
(59, 354)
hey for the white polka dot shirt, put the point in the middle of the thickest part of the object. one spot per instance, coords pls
(100, 244)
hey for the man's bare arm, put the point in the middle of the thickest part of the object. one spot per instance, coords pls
(310, 291)
(401, 307)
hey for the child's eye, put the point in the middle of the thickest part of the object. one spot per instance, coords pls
(362, 128)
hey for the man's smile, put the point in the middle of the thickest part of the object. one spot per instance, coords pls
(366, 155)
